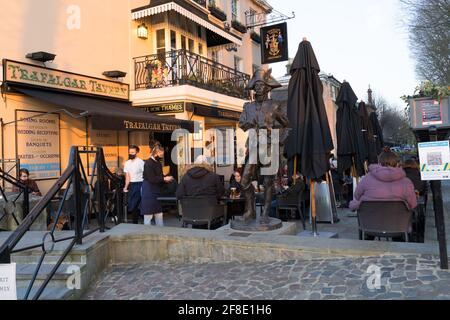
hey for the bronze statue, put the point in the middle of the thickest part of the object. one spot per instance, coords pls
(267, 114)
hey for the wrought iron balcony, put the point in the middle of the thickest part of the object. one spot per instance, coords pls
(200, 2)
(181, 67)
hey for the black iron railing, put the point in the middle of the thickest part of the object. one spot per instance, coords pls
(23, 189)
(81, 198)
(200, 2)
(183, 67)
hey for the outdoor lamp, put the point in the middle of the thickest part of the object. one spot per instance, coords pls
(142, 31)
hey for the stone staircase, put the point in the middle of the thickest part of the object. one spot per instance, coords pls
(89, 259)
(58, 288)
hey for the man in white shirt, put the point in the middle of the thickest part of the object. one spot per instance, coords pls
(134, 176)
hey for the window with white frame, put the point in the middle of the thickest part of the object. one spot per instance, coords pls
(235, 10)
(238, 63)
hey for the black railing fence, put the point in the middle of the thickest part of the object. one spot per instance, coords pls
(6, 177)
(181, 67)
(75, 196)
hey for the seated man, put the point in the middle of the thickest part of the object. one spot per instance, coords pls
(200, 181)
(24, 178)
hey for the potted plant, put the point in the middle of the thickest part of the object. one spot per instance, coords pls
(239, 26)
(430, 90)
(217, 12)
(255, 37)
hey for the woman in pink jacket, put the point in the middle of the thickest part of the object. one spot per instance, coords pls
(385, 182)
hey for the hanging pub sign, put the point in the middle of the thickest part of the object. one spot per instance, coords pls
(274, 46)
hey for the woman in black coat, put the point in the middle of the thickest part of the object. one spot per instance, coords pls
(151, 188)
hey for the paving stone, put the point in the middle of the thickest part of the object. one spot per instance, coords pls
(332, 278)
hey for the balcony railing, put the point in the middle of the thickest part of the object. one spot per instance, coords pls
(200, 2)
(181, 67)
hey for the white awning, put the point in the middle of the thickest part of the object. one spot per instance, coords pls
(173, 6)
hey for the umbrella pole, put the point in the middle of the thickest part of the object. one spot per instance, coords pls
(313, 209)
(295, 170)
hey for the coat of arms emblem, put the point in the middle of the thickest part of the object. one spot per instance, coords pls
(274, 41)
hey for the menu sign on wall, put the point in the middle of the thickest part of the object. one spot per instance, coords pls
(37, 137)
(108, 140)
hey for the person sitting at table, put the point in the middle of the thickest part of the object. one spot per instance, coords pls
(296, 188)
(24, 178)
(412, 171)
(235, 182)
(200, 181)
(385, 181)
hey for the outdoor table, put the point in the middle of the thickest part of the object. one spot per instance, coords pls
(8, 223)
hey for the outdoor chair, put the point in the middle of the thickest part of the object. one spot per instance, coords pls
(201, 211)
(384, 219)
(292, 202)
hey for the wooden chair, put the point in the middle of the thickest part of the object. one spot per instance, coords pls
(384, 219)
(201, 211)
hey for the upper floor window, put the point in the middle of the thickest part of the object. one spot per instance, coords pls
(235, 10)
(252, 17)
(238, 63)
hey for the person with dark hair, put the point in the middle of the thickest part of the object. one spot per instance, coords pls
(200, 181)
(412, 170)
(151, 188)
(134, 176)
(24, 178)
(235, 181)
(385, 181)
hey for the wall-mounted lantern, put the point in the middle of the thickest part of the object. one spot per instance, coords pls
(142, 31)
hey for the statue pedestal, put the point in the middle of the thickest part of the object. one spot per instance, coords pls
(255, 225)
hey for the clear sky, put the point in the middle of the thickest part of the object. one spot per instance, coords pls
(361, 41)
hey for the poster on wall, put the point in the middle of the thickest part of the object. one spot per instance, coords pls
(274, 46)
(108, 140)
(435, 160)
(38, 143)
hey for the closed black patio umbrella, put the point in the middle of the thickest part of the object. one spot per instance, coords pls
(378, 136)
(351, 151)
(367, 131)
(309, 143)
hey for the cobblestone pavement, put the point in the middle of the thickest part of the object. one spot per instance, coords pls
(402, 277)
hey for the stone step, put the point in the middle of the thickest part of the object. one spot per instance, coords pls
(50, 293)
(33, 256)
(24, 274)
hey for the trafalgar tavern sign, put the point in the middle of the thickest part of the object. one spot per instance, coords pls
(28, 74)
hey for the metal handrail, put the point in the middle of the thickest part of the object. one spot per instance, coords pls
(180, 67)
(6, 177)
(75, 178)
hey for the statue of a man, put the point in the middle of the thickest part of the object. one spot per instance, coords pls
(261, 114)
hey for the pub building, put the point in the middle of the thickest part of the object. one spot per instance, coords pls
(49, 110)
(183, 64)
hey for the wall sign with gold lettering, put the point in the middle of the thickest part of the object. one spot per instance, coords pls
(37, 140)
(112, 123)
(175, 107)
(28, 74)
(274, 46)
